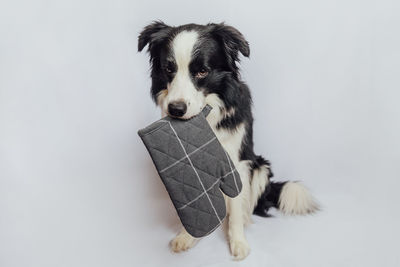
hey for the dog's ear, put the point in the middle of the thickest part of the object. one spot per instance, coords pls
(153, 34)
(232, 40)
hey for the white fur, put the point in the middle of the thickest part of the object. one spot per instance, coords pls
(239, 208)
(182, 88)
(183, 241)
(296, 199)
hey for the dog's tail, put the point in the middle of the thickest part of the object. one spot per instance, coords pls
(291, 198)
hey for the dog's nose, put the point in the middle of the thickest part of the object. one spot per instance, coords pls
(177, 108)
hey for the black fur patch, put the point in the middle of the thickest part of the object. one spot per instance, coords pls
(269, 198)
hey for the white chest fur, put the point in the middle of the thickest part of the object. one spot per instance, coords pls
(231, 140)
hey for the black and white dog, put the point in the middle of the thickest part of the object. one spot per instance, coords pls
(194, 65)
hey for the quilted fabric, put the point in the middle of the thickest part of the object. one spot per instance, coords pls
(194, 169)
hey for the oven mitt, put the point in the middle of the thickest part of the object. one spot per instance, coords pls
(193, 167)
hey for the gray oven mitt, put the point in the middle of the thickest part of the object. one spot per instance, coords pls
(193, 167)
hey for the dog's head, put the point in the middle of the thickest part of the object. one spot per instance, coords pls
(190, 62)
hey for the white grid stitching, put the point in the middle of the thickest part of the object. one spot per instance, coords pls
(199, 196)
(190, 154)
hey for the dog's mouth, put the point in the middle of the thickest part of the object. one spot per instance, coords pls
(187, 115)
(183, 118)
(180, 118)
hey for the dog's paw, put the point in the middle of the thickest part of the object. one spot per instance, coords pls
(239, 249)
(182, 242)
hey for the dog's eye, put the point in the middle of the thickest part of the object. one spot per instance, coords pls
(201, 74)
(168, 70)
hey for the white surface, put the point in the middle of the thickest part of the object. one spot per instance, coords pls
(77, 187)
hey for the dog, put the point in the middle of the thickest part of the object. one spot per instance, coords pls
(193, 65)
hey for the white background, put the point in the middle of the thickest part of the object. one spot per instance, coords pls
(77, 187)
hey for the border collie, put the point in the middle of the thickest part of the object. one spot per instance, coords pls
(194, 65)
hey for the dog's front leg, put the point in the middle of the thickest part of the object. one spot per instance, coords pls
(237, 241)
(183, 241)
